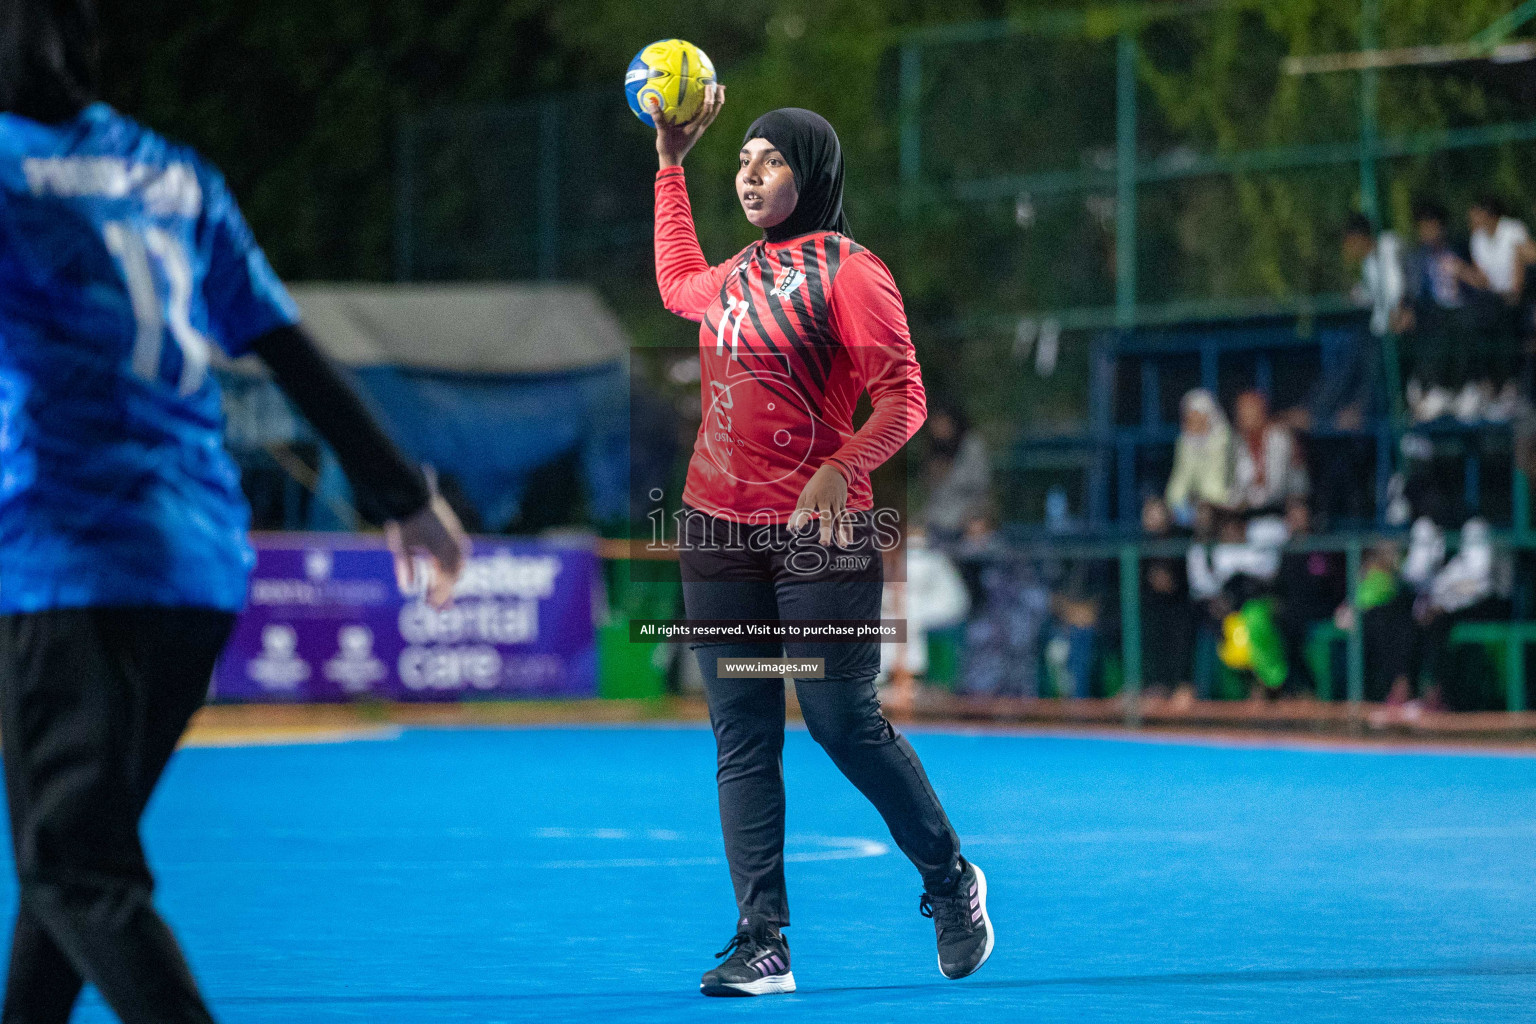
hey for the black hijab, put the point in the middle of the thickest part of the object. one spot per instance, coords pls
(810, 147)
(49, 58)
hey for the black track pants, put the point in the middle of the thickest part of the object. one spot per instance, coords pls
(760, 577)
(92, 704)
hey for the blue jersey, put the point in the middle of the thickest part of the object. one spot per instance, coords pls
(123, 261)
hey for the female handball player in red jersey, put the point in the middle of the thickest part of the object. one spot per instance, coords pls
(777, 522)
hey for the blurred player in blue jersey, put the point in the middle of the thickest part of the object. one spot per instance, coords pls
(123, 557)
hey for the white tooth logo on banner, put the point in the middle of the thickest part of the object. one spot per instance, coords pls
(354, 667)
(278, 666)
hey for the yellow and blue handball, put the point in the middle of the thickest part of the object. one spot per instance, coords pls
(666, 81)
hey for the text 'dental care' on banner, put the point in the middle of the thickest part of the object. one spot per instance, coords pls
(325, 621)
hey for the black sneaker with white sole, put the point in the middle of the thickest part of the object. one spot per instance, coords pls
(960, 923)
(756, 964)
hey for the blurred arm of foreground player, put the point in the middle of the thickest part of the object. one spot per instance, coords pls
(389, 488)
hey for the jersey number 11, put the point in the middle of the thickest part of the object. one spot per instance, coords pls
(140, 252)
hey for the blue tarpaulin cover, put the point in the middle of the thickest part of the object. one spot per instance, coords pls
(486, 383)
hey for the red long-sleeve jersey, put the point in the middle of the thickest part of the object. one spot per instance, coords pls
(791, 334)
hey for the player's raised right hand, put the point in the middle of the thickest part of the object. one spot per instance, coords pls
(673, 141)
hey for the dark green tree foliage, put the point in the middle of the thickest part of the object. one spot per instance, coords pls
(297, 100)
(300, 102)
(1216, 86)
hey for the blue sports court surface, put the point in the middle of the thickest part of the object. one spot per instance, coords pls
(565, 874)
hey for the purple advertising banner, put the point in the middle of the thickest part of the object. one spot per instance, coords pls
(325, 621)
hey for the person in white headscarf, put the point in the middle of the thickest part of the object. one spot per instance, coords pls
(1202, 459)
(1426, 553)
(1467, 578)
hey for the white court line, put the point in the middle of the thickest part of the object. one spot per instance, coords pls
(663, 835)
(841, 848)
(1240, 834)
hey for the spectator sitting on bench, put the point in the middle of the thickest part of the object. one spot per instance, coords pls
(1309, 587)
(1462, 591)
(1386, 626)
(1201, 459)
(1239, 567)
(1382, 285)
(1010, 607)
(1267, 469)
(1344, 398)
(935, 598)
(1076, 620)
(1426, 554)
(1167, 619)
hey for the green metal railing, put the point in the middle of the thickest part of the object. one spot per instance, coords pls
(1130, 552)
(509, 191)
(1124, 22)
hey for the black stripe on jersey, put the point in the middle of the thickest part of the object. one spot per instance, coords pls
(775, 362)
(820, 311)
(768, 377)
(757, 323)
(820, 342)
(770, 380)
(816, 332)
(746, 291)
(820, 350)
(766, 278)
(726, 313)
(834, 257)
(773, 371)
(765, 273)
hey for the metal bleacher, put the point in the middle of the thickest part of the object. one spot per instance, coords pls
(1136, 380)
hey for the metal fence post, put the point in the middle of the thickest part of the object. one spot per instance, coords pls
(911, 114)
(549, 189)
(1356, 644)
(1125, 180)
(1130, 632)
(1522, 501)
(405, 198)
(1370, 39)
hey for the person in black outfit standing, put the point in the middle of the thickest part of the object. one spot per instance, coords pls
(123, 556)
(1167, 616)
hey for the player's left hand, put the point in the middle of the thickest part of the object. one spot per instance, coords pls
(825, 498)
(434, 532)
